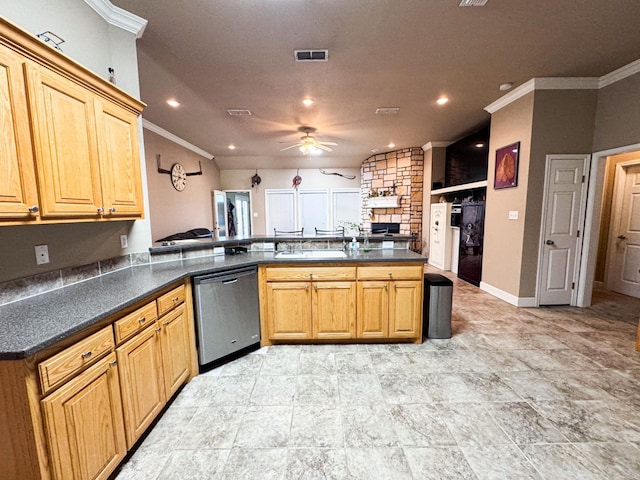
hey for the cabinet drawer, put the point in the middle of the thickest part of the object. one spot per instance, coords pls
(66, 364)
(288, 274)
(170, 300)
(128, 326)
(408, 272)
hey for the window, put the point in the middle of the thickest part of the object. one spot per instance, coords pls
(325, 209)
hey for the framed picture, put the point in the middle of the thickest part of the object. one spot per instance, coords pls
(506, 174)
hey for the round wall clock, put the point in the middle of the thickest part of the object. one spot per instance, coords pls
(178, 177)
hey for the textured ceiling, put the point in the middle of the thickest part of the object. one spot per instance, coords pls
(219, 54)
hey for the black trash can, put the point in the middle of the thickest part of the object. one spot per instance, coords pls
(436, 307)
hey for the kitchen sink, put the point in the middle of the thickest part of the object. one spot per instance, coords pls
(312, 254)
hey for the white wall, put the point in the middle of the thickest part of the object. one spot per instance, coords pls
(282, 178)
(94, 43)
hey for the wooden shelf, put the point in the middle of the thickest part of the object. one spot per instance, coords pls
(383, 202)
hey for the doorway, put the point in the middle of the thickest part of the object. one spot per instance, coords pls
(239, 219)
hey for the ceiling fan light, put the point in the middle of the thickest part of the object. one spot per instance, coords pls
(307, 102)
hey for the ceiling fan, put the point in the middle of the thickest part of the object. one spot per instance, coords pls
(308, 143)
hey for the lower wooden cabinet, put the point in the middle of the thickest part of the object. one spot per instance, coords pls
(142, 380)
(176, 352)
(83, 419)
(373, 302)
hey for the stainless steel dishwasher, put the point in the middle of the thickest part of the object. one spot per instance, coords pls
(227, 313)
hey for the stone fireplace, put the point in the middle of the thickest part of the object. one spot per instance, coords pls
(395, 173)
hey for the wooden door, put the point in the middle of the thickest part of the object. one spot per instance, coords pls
(564, 197)
(119, 160)
(289, 310)
(141, 382)
(624, 243)
(65, 145)
(176, 351)
(373, 309)
(84, 424)
(405, 309)
(18, 197)
(333, 310)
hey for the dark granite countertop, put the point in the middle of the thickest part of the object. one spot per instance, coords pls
(32, 324)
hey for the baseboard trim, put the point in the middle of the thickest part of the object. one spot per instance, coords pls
(507, 297)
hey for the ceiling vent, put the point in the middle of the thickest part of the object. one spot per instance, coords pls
(387, 110)
(311, 55)
(238, 112)
(473, 3)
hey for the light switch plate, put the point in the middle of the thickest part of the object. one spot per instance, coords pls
(513, 214)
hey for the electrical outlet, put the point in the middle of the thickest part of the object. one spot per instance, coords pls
(513, 214)
(124, 241)
(42, 254)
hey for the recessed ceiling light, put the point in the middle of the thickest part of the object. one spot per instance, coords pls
(307, 102)
(479, 145)
(505, 86)
(442, 100)
(231, 147)
(387, 110)
(375, 150)
(391, 145)
(172, 102)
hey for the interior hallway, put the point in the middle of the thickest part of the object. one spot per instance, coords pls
(547, 393)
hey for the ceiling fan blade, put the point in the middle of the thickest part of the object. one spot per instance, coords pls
(290, 147)
(322, 147)
(334, 144)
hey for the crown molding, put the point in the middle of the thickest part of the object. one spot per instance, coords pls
(430, 145)
(118, 17)
(175, 139)
(620, 74)
(565, 83)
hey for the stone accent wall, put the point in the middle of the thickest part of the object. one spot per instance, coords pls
(404, 169)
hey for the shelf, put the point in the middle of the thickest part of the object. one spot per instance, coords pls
(383, 202)
(459, 188)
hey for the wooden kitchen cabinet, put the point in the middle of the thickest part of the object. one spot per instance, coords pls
(84, 425)
(142, 381)
(390, 302)
(18, 196)
(75, 155)
(311, 302)
(176, 351)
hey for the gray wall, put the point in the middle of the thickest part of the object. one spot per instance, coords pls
(97, 45)
(618, 115)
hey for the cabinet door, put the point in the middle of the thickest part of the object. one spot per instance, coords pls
(334, 309)
(405, 309)
(17, 175)
(65, 145)
(119, 160)
(373, 309)
(289, 310)
(141, 382)
(176, 351)
(84, 424)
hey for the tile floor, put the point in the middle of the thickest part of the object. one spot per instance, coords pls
(548, 393)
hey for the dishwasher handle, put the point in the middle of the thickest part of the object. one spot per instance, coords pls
(227, 277)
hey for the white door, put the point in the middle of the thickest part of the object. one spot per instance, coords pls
(564, 198)
(440, 236)
(624, 243)
(219, 214)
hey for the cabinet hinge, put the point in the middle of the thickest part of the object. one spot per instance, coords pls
(578, 234)
(573, 285)
(583, 178)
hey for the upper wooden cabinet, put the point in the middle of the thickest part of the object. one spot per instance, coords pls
(83, 133)
(18, 198)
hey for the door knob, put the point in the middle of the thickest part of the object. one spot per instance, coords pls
(622, 237)
(550, 242)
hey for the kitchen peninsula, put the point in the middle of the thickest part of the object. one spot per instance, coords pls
(125, 340)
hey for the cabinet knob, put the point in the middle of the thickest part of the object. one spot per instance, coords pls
(386, 287)
(166, 324)
(34, 209)
(622, 237)
(112, 210)
(315, 287)
(114, 363)
(142, 320)
(100, 210)
(390, 274)
(158, 329)
(310, 276)
(175, 300)
(87, 354)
